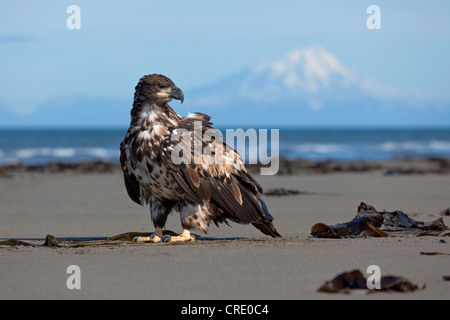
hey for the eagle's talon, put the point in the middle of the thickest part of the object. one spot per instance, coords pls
(141, 239)
(155, 239)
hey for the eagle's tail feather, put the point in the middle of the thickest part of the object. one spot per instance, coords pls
(267, 228)
(265, 225)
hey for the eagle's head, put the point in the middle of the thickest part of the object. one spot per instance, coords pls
(157, 89)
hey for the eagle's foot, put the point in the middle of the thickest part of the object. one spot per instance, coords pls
(168, 238)
(185, 236)
(154, 237)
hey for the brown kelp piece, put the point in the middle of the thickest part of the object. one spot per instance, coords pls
(366, 225)
(14, 243)
(371, 223)
(397, 284)
(123, 239)
(50, 241)
(347, 281)
(324, 230)
(344, 282)
(434, 253)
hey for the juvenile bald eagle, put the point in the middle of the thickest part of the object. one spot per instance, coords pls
(199, 192)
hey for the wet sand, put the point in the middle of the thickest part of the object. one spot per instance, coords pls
(89, 205)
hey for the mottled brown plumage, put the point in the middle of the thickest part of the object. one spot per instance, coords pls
(201, 188)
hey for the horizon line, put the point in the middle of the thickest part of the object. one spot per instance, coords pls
(248, 126)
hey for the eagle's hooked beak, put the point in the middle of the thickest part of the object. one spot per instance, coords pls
(177, 93)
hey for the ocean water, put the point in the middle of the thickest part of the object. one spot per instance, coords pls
(40, 146)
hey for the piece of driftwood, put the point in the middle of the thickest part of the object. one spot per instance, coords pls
(371, 223)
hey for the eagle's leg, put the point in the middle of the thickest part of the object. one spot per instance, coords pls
(184, 236)
(159, 211)
(192, 216)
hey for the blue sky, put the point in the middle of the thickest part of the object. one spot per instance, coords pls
(199, 42)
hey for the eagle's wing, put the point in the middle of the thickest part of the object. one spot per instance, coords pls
(225, 183)
(131, 183)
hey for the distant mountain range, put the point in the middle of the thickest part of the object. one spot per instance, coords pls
(75, 111)
(306, 86)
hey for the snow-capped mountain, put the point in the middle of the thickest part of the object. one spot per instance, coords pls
(299, 72)
(306, 86)
(299, 75)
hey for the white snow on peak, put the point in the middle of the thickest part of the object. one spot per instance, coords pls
(308, 68)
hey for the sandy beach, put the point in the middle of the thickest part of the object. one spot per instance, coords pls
(91, 205)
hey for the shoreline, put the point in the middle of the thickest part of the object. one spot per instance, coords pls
(430, 165)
